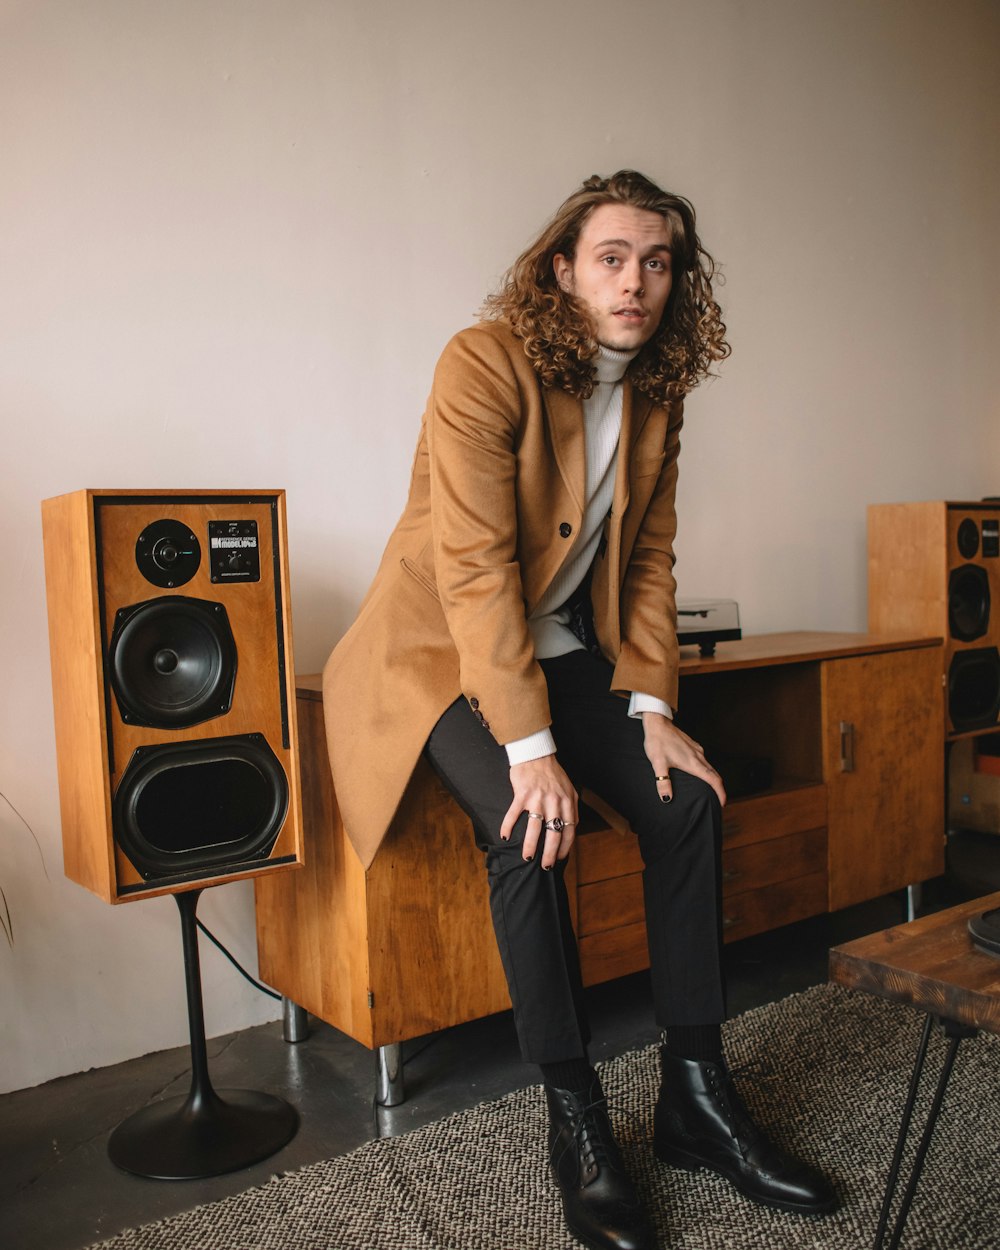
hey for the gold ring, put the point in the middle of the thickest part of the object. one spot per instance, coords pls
(667, 778)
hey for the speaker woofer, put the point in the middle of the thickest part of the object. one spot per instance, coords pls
(974, 688)
(968, 602)
(191, 806)
(172, 662)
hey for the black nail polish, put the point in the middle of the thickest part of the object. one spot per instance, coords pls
(665, 798)
(546, 867)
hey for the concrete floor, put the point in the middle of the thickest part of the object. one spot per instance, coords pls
(59, 1190)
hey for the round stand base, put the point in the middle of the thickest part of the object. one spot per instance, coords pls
(182, 1139)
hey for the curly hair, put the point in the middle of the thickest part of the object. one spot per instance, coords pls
(554, 326)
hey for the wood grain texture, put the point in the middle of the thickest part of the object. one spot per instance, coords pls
(930, 963)
(78, 693)
(885, 818)
(767, 862)
(431, 947)
(413, 933)
(616, 953)
(312, 925)
(746, 822)
(761, 650)
(908, 567)
(757, 911)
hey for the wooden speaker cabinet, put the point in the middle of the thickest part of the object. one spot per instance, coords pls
(173, 689)
(935, 567)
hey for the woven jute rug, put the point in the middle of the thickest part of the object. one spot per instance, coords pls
(826, 1070)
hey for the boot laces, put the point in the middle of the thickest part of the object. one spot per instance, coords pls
(587, 1137)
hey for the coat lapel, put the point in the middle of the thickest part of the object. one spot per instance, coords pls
(565, 414)
(635, 410)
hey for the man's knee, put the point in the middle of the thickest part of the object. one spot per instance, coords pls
(690, 825)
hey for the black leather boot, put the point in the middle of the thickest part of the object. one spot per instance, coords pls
(701, 1121)
(601, 1207)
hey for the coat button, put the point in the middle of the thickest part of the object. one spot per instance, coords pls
(474, 704)
(565, 529)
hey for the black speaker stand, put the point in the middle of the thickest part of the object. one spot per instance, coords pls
(204, 1134)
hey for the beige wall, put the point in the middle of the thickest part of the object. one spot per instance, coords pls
(234, 235)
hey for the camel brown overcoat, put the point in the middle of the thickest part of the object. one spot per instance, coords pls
(496, 498)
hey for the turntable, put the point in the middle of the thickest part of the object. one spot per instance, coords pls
(706, 622)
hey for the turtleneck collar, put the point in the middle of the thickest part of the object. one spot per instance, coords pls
(610, 365)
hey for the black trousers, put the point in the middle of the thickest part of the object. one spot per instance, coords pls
(599, 746)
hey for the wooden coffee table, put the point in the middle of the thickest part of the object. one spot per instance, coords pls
(930, 963)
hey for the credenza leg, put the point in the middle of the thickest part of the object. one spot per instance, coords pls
(295, 1021)
(391, 1091)
(914, 899)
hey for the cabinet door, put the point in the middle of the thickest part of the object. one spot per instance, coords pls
(883, 762)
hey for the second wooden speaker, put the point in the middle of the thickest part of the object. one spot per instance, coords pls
(935, 568)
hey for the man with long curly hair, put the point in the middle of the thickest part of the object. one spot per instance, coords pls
(521, 632)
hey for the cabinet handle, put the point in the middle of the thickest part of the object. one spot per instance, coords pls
(846, 746)
(729, 921)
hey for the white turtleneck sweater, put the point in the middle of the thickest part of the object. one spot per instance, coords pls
(602, 422)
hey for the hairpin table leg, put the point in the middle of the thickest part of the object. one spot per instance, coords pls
(955, 1033)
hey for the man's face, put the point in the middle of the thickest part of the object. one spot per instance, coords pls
(621, 272)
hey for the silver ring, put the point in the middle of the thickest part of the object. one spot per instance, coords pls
(556, 824)
(535, 816)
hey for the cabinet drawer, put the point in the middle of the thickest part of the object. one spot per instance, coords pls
(607, 853)
(756, 911)
(603, 905)
(773, 815)
(617, 953)
(778, 859)
(609, 904)
(621, 951)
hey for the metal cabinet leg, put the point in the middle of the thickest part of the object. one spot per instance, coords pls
(391, 1091)
(295, 1021)
(914, 899)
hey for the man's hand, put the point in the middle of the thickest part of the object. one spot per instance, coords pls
(669, 747)
(543, 790)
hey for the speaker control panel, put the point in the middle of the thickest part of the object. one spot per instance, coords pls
(234, 554)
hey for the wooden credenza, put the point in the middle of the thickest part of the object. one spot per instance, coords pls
(855, 809)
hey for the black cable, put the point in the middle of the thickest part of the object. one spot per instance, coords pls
(239, 968)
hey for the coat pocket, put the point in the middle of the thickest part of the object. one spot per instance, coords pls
(418, 575)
